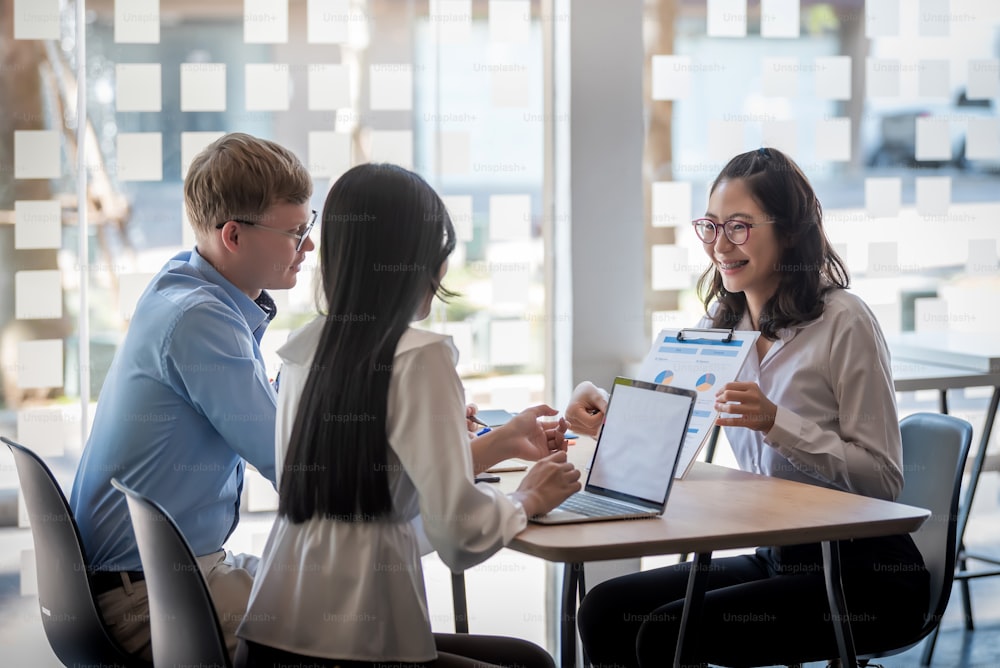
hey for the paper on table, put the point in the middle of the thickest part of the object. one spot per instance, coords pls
(701, 364)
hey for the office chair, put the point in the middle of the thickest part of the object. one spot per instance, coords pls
(183, 623)
(70, 615)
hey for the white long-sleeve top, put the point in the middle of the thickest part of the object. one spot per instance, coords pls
(355, 591)
(836, 424)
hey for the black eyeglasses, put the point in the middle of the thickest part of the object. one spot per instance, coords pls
(300, 236)
(737, 231)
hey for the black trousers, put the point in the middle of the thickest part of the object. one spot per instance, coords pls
(762, 609)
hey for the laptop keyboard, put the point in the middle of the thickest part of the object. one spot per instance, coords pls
(598, 506)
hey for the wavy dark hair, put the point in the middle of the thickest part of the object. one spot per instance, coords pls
(808, 266)
(386, 235)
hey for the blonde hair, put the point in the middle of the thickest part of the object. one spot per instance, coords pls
(242, 176)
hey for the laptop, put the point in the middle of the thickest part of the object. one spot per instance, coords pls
(636, 455)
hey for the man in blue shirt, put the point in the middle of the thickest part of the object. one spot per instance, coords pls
(187, 401)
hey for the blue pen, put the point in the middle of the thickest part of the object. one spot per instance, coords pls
(484, 430)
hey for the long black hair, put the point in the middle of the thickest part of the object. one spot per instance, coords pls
(386, 235)
(808, 265)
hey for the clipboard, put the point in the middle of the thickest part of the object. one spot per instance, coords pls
(698, 359)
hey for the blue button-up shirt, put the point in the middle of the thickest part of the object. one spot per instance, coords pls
(186, 401)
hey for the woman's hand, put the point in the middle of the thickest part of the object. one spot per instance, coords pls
(746, 400)
(549, 482)
(472, 427)
(527, 438)
(585, 411)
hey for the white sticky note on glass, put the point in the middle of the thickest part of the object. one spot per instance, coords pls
(934, 78)
(36, 154)
(984, 79)
(193, 143)
(930, 314)
(833, 139)
(510, 342)
(671, 269)
(36, 19)
(328, 21)
(267, 87)
(461, 336)
(261, 496)
(933, 139)
(883, 196)
(670, 203)
(37, 224)
(782, 135)
(727, 18)
(38, 294)
(460, 211)
(883, 259)
(45, 428)
(882, 79)
(329, 87)
(982, 140)
(329, 154)
(510, 217)
(455, 153)
(203, 87)
(934, 18)
(780, 77)
(726, 139)
(982, 257)
(833, 78)
(510, 89)
(450, 20)
(511, 283)
(882, 18)
(140, 156)
(265, 21)
(779, 18)
(510, 20)
(130, 288)
(393, 146)
(671, 77)
(933, 195)
(137, 87)
(391, 87)
(39, 364)
(137, 21)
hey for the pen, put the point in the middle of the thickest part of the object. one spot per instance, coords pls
(473, 418)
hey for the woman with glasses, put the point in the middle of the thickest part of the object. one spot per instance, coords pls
(814, 403)
(371, 430)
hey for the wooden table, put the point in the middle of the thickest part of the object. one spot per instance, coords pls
(717, 508)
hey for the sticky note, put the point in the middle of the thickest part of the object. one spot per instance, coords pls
(670, 203)
(137, 21)
(193, 143)
(510, 89)
(982, 141)
(46, 428)
(883, 196)
(391, 86)
(265, 21)
(982, 257)
(930, 314)
(38, 294)
(261, 496)
(882, 18)
(726, 139)
(203, 87)
(671, 77)
(36, 19)
(782, 135)
(780, 77)
(933, 139)
(329, 87)
(833, 139)
(510, 217)
(671, 269)
(510, 342)
(137, 87)
(933, 195)
(727, 18)
(392, 146)
(36, 154)
(329, 154)
(934, 78)
(450, 20)
(37, 224)
(267, 87)
(510, 20)
(882, 77)
(131, 285)
(833, 78)
(779, 18)
(329, 21)
(883, 259)
(39, 364)
(455, 153)
(460, 211)
(984, 79)
(461, 336)
(511, 282)
(140, 156)
(934, 18)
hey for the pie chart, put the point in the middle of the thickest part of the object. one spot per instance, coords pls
(705, 382)
(664, 377)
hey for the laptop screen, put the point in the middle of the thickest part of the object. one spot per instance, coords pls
(642, 436)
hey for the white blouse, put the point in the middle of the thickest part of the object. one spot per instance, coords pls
(836, 424)
(355, 591)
